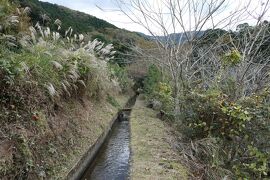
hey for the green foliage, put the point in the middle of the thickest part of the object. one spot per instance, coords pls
(59, 66)
(240, 126)
(228, 86)
(121, 56)
(6, 7)
(100, 37)
(39, 65)
(9, 69)
(210, 36)
(81, 22)
(156, 89)
(257, 164)
(113, 101)
(25, 153)
(231, 58)
(152, 79)
(121, 75)
(164, 89)
(238, 115)
(163, 93)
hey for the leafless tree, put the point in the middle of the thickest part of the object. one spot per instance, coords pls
(163, 19)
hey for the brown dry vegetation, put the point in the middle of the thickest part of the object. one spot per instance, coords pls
(153, 155)
(52, 145)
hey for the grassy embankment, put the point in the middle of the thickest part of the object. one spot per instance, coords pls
(59, 142)
(153, 156)
(56, 96)
(88, 122)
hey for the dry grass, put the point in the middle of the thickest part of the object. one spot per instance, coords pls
(53, 144)
(153, 156)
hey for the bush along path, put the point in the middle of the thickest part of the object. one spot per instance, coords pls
(153, 156)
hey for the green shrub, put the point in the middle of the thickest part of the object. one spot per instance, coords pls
(121, 75)
(156, 89)
(152, 79)
(8, 71)
(243, 128)
(256, 166)
(231, 58)
(163, 93)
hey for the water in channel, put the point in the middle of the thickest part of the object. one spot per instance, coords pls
(112, 162)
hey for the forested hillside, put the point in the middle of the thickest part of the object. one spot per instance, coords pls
(45, 13)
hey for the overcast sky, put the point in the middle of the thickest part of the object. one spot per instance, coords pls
(121, 21)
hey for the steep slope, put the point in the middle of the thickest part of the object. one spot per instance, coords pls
(56, 98)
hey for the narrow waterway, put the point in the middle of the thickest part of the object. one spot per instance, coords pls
(112, 161)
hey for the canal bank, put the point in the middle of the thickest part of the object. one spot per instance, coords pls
(108, 157)
(152, 153)
(112, 160)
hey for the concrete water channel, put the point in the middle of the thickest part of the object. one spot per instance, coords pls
(112, 159)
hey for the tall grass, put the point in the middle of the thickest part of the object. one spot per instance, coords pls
(39, 68)
(60, 64)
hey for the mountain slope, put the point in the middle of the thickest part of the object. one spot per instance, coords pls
(47, 13)
(175, 37)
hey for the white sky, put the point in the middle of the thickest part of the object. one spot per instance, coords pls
(117, 18)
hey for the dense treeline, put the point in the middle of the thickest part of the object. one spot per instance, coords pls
(44, 13)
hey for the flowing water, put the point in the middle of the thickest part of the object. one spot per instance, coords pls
(112, 161)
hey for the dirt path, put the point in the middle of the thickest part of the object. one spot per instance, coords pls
(151, 143)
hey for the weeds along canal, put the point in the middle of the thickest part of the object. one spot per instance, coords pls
(112, 160)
